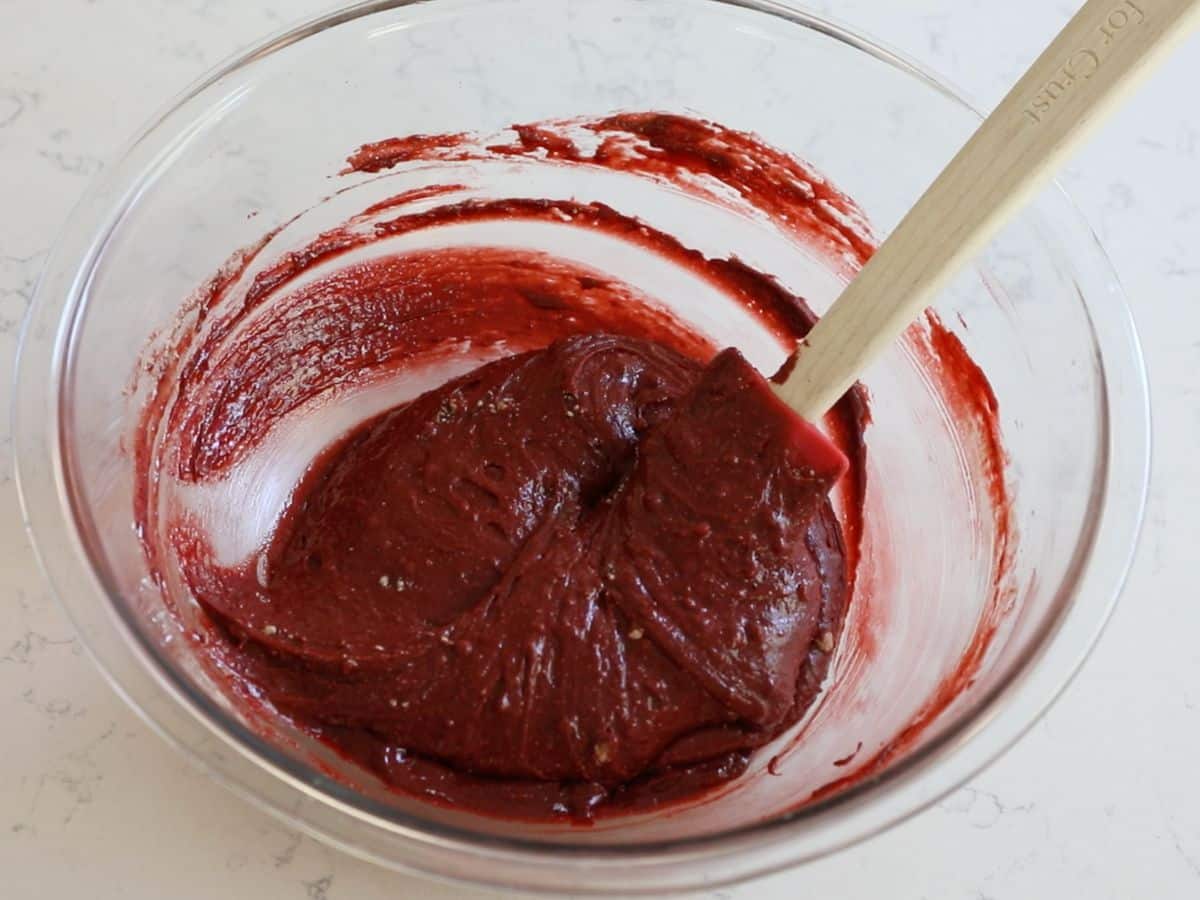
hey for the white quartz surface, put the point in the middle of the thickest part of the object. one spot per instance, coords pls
(1101, 799)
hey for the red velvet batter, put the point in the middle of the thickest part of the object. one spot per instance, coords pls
(581, 579)
(591, 576)
(584, 565)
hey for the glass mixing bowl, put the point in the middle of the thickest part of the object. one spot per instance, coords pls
(256, 141)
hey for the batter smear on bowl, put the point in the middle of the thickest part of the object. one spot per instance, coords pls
(578, 561)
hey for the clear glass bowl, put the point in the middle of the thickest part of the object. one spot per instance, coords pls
(1041, 313)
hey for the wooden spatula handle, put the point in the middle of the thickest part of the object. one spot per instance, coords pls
(1080, 77)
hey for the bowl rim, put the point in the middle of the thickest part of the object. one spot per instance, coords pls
(55, 523)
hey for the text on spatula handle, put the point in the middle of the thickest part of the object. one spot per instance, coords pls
(1084, 63)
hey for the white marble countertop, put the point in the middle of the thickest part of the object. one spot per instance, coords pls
(1098, 801)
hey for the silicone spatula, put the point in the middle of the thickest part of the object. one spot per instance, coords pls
(1079, 79)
